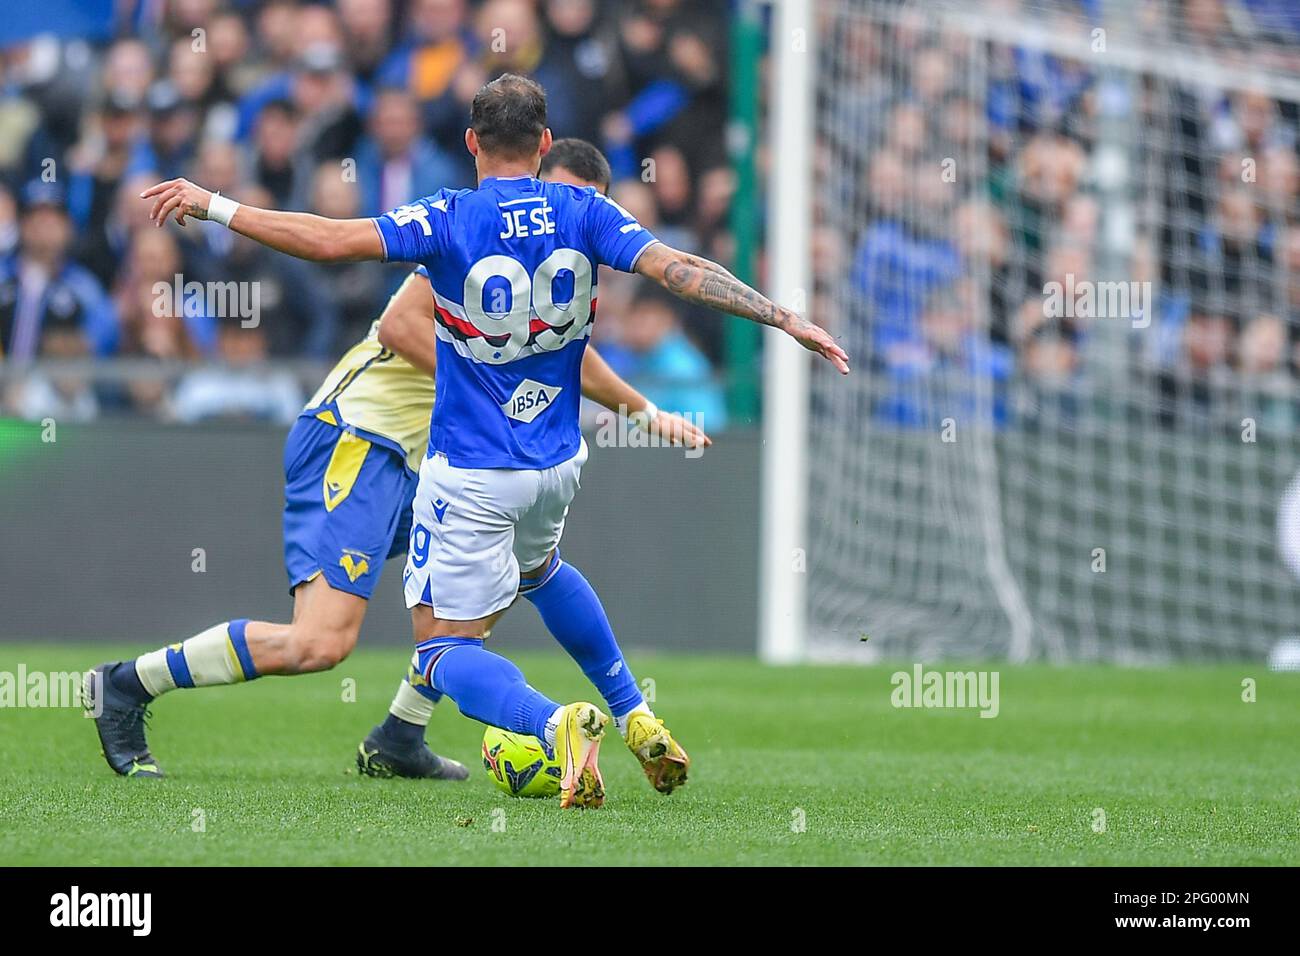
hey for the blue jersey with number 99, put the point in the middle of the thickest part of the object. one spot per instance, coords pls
(513, 269)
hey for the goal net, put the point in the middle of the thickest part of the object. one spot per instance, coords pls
(1059, 241)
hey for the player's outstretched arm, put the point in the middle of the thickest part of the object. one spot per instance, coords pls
(699, 280)
(299, 234)
(406, 324)
(603, 385)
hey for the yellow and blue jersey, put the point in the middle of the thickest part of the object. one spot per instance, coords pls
(350, 468)
(375, 393)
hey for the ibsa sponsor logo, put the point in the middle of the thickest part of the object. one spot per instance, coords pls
(529, 400)
(75, 908)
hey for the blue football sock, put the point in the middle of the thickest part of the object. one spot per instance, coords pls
(485, 686)
(125, 678)
(403, 731)
(574, 615)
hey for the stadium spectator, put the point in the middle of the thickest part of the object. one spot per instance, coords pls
(670, 182)
(154, 265)
(39, 282)
(356, 289)
(1239, 245)
(8, 224)
(287, 298)
(1279, 181)
(511, 40)
(1290, 259)
(368, 25)
(98, 164)
(900, 261)
(950, 369)
(173, 130)
(275, 145)
(64, 395)
(230, 46)
(434, 63)
(208, 245)
(655, 355)
(984, 245)
(584, 52)
(242, 387)
(1192, 391)
(1262, 355)
(673, 60)
(325, 95)
(153, 330)
(276, 36)
(193, 73)
(394, 162)
(128, 70)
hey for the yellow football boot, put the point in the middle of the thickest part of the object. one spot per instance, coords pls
(577, 742)
(664, 761)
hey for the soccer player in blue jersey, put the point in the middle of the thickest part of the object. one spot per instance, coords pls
(512, 266)
(409, 331)
(350, 466)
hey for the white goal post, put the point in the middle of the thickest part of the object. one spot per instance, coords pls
(785, 363)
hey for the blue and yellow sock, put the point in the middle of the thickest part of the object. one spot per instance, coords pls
(485, 686)
(412, 706)
(574, 615)
(217, 656)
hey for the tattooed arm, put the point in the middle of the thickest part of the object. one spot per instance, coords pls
(699, 280)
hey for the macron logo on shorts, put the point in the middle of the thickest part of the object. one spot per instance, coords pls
(529, 400)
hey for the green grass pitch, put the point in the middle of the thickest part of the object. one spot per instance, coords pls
(807, 765)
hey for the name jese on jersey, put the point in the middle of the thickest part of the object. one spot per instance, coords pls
(513, 267)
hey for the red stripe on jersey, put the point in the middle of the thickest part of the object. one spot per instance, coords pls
(465, 328)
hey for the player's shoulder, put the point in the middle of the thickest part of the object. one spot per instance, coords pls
(570, 192)
(426, 209)
(581, 199)
(445, 199)
(441, 201)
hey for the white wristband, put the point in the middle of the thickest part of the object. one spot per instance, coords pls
(221, 209)
(645, 417)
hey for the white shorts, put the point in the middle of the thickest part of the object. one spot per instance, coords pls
(474, 529)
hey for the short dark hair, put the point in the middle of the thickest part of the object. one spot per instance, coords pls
(509, 116)
(580, 158)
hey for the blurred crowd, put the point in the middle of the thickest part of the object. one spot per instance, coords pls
(963, 178)
(958, 180)
(344, 108)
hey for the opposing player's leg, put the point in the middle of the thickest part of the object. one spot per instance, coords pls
(344, 502)
(461, 576)
(396, 747)
(324, 630)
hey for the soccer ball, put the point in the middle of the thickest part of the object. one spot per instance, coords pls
(520, 765)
